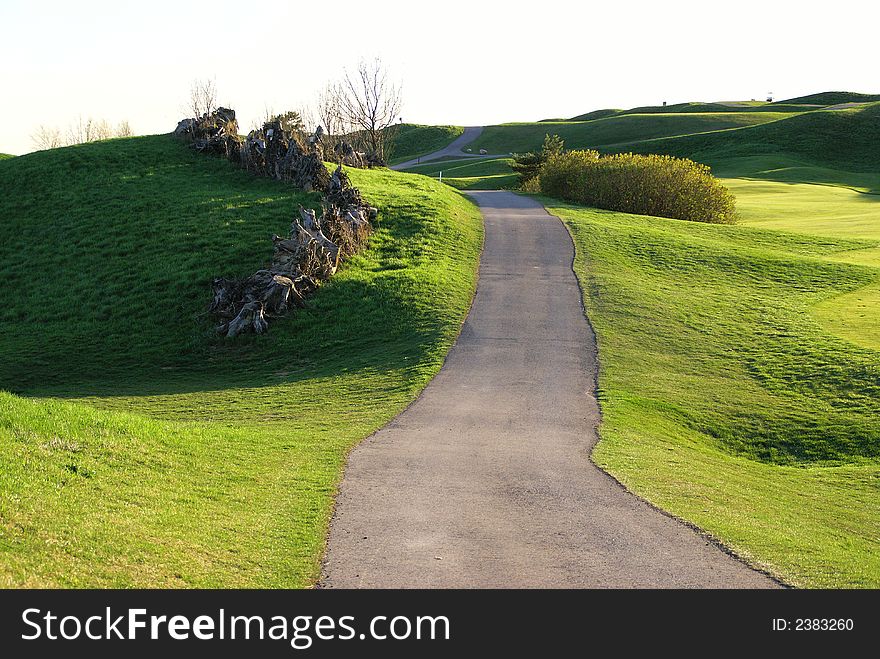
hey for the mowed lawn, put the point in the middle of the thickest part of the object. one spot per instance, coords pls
(740, 371)
(137, 449)
(466, 173)
(411, 140)
(609, 131)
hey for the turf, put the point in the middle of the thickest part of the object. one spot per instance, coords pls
(678, 108)
(517, 138)
(788, 169)
(148, 452)
(717, 107)
(472, 173)
(492, 182)
(831, 98)
(841, 139)
(412, 140)
(464, 167)
(596, 114)
(838, 209)
(725, 399)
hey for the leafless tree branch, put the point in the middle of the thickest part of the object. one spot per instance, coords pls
(368, 105)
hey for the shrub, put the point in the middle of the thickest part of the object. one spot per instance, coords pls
(662, 186)
(528, 165)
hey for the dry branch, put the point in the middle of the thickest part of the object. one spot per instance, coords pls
(316, 243)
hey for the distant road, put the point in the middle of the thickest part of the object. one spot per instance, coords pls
(455, 149)
(486, 480)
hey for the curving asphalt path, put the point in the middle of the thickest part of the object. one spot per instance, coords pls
(453, 149)
(485, 481)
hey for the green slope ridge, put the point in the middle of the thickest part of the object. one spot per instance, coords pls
(838, 138)
(831, 98)
(412, 140)
(613, 130)
(148, 452)
(727, 398)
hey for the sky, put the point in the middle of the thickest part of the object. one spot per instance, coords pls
(458, 62)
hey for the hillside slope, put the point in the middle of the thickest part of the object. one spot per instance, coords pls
(841, 138)
(167, 456)
(517, 138)
(412, 140)
(831, 98)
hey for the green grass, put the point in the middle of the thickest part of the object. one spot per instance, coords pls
(471, 173)
(6, 156)
(149, 452)
(749, 107)
(516, 138)
(464, 167)
(678, 108)
(493, 182)
(841, 139)
(831, 98)
(838, 209)
(730, 397)
(787, 169)
(595, 114)
(412, 140)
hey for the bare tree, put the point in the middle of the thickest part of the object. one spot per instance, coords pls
(370, 105)
(79, 132)
(46, 137)
(123, 129)
(308, 119)
(328, 112)
(202, 97)
(328, 115)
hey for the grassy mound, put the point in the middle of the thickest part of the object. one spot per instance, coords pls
(596, 114)
(519, 138)
(726, 399)
(412, 140)
(6, 156)
(716, 107)
(831, 98)
(471, 173)
(836, 138)
(166, 456)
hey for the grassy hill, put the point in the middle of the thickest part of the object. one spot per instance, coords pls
(730, 397)
(683, 108)
(832, 98)
(517, 138)
(413, 140)
(746, 106)
(823, 146)
(140, 449)
(5, 156)
(844, 139)
(740, 377)
(739, 364)
(596, 114)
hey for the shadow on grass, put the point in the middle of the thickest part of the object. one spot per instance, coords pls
(129, 317)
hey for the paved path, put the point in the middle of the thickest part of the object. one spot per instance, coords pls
(454, 149)
(485, 481)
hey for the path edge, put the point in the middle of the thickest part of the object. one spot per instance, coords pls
(318, 584)
(706, 535)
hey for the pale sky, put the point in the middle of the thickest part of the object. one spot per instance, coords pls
(460, 62)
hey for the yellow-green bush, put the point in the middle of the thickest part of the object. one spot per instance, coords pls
(642, 184)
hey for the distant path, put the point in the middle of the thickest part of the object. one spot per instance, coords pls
(486, 481)
(454, 149)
